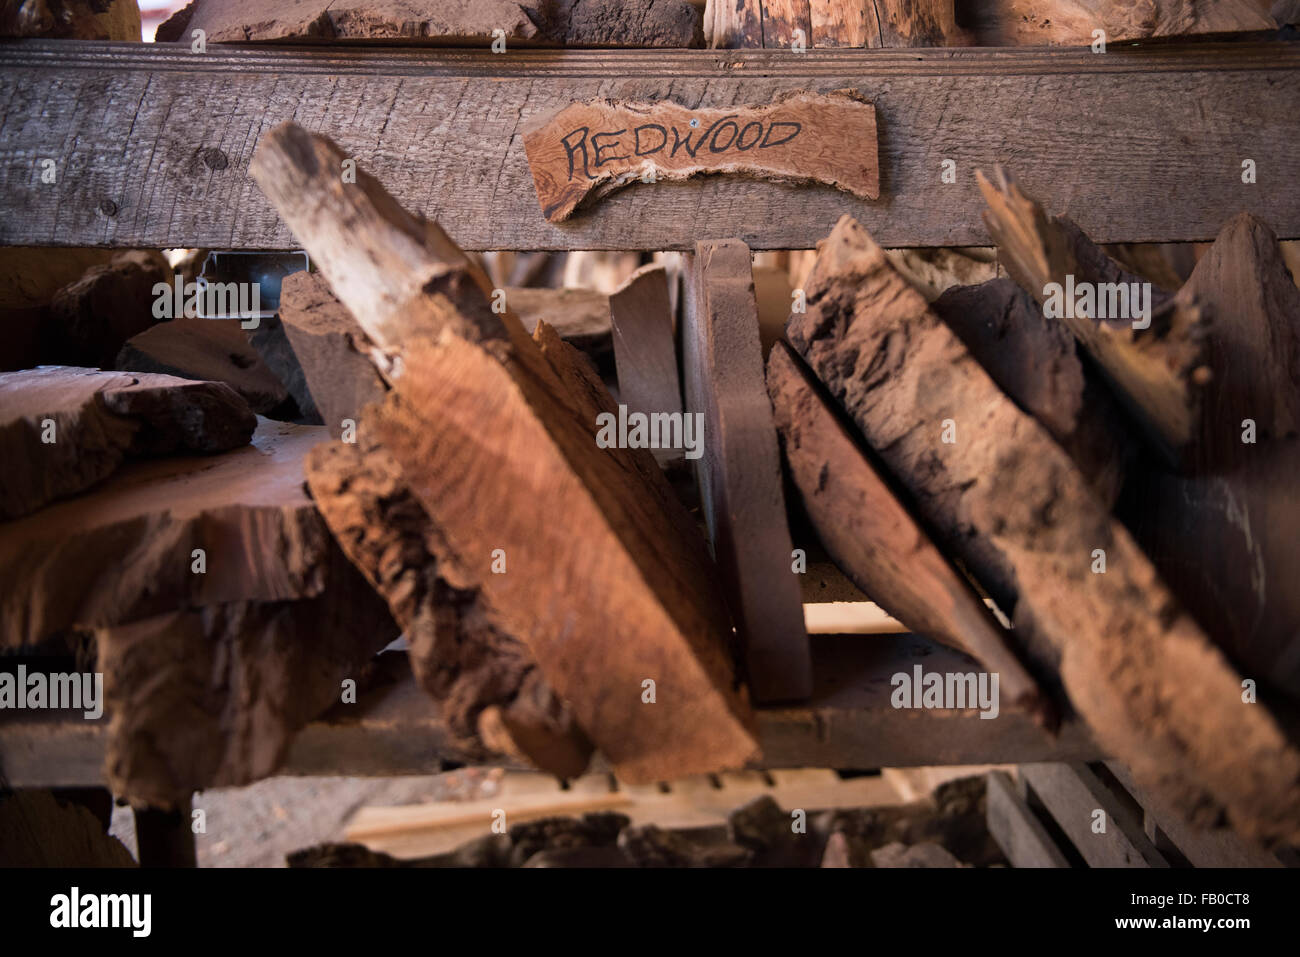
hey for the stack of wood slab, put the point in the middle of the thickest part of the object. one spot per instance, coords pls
(160, 518)
(1115, 488)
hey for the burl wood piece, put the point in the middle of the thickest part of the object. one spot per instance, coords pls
(1224, 538)
(331, 349)
(63, 429)
(212, 697)
(1009, 502)
(596, 573)
(1036, 362)
(634, 23)
(739, 473)
(874, 539)
(125, 551)
(486, 682)
(588, 150)
(645, 350)
(216, 350)
(1159, 370)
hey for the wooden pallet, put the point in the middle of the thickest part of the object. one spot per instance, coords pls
(1078, 814)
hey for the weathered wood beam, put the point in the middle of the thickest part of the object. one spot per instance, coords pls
(443, 131)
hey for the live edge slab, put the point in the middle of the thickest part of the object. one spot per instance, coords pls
(151, 143)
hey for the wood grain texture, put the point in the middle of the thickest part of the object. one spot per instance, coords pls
(63, 429)
(784, 23)
(589, 150)
(1008, 502)
(874, 539)
(1224, 537)
(124, 550)
(843, 23)
(645, 348)
(739, 473)
(109, 115)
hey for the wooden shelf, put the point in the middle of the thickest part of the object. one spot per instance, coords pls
(395, 729)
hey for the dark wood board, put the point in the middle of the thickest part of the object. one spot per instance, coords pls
(152, 142)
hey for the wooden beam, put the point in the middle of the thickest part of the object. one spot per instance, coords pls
(394, 728)
(1021, 836)
(152, 143)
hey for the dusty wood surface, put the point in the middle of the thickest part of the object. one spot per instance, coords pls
(1021, 836)
(739, 472)
(1224, 538)
(875, 540)
(637, 23)
(481, 412)
(1153, 688)
(396, 729)
(331, 349)
(125, 550)
(395, 110)
(1158, 369)
(217, 350)
(63, 429)
(1036, 362)
(589, 150)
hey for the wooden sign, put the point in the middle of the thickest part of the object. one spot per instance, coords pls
(589, 150)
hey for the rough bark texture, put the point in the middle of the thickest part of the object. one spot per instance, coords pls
(331, 349)
(485, 681)
(125, 551)
(1158, 371)
(588, 150)
(1224, 538)
(739, 472)
(616, 23)
(215, 350)
(1009, 502)
(64, 429)
(601, 576)
(1035, 361)
(874, 539)
(212, 697)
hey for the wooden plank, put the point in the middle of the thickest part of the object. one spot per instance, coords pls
(1074, 795)
(784, 23)
(1021, 836)
(395, 728)
(843, 23)
(645, 348)
(1202, 847)
(152, 143)
(739, 472)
